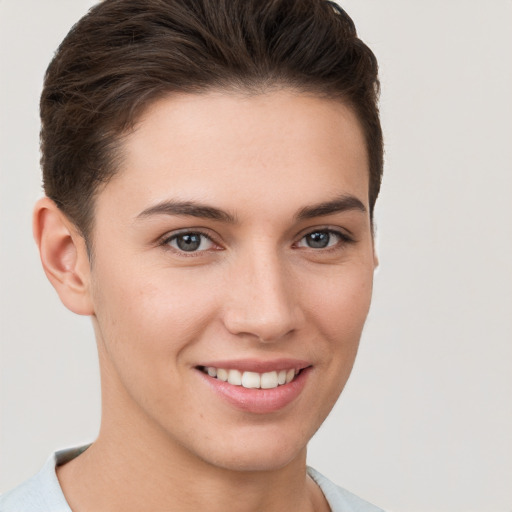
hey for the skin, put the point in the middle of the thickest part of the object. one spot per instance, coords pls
(255, 290)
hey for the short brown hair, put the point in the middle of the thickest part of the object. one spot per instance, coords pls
(124, 54)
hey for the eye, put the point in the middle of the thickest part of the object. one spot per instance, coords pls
(190, 242)
(322, 239)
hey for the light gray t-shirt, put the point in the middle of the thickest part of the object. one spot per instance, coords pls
(42, 493)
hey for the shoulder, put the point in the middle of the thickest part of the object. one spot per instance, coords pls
(42, 492)
(339, 499)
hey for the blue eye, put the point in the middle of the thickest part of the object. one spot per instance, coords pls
(321, 239)
(190, 242)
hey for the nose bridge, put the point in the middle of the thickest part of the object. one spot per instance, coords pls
(262, 302)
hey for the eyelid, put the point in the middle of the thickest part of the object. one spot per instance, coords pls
(343, 234)
(165, 240)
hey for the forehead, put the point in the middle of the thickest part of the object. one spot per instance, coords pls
(239, 149)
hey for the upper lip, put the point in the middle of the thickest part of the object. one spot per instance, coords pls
(258, 365)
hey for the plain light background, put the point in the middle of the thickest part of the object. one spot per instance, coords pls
(425, 422)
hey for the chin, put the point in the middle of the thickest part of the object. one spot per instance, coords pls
(249, 461)
(260, 452)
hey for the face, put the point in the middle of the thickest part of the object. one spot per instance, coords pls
(235, 243)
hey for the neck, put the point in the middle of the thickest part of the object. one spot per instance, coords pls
(109, 477)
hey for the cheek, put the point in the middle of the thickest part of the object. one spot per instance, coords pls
(340, 313)
(151, 315)
(341, 305)
(144, 328)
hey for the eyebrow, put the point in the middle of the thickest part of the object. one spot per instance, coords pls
(339, 204)
(195, 209)
(188, 208)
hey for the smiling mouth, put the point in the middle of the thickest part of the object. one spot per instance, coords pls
(252, 380)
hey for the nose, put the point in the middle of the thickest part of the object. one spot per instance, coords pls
(262, 298)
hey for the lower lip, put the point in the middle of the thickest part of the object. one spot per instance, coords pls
(259, 401)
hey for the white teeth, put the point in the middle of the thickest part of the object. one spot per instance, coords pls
(222, 374)
(235, 377)
(253, 380)
(269, 380)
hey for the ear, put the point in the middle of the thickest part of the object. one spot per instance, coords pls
(64, 256)
(375, 258)
(375, 252)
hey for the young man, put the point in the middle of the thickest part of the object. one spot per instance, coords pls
(210, 169)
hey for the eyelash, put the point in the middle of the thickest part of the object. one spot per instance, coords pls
(343, 240)
(168, 239)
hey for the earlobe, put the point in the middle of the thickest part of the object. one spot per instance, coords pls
(375, 253)
(63, 255)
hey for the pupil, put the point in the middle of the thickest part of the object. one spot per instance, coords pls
(318, 240)
(190, 242)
